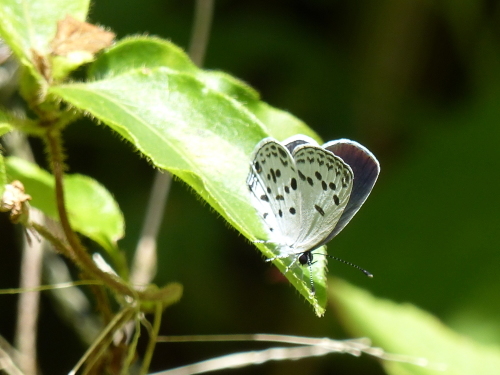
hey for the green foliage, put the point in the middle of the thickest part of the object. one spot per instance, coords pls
(200, 126)
(4, 128)
(428, 216)
(92, 210)
(3, 176)
(29, 26)
(406, 330)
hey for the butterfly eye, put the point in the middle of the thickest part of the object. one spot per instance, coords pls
(305, 257)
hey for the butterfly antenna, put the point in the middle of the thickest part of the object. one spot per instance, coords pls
(309, 263)
(349, 264)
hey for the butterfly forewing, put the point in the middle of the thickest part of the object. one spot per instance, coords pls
(325, 183)
(274, 192)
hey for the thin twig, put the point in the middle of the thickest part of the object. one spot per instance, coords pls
(7, 363)
(152, 340)
(28, 303)
(246, 359)
(311, 347)
(201, 30)
(104, 337)
(354, 346)
(42, 288)
(145, 259)
(25, 337)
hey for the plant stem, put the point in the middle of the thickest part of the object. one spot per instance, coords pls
(201, 30)
(152, 339)
(76, 249)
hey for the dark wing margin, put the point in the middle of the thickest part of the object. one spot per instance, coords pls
(297, 140)
(366, 169)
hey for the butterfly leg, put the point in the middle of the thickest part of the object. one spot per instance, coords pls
(284, 256)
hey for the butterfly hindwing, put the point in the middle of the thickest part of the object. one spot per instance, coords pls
(366, 169)
(325, 182)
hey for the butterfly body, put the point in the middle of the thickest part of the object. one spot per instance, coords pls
(306, 193)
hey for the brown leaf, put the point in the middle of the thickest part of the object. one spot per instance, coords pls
(77, 36)
(15, 200)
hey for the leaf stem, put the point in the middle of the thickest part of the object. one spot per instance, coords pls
(148, 355)
(76, 250)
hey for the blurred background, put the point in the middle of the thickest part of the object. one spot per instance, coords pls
(416, 82)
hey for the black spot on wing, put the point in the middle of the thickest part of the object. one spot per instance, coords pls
(273, 175)
(336, 199)
(319, 209)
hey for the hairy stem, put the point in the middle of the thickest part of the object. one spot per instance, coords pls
(76, 249)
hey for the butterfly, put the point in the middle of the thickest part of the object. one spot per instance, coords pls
(306, 193)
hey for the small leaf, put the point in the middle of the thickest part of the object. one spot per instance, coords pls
(4, 128)
(5, 122)
(140, 52)
(3, 176)
(405, 329)
(76, 43)
(29, 26)
(92, 210)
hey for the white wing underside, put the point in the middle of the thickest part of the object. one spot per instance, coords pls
(300, 195)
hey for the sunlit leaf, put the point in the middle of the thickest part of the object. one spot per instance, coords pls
(200, 126)
(28, 26)
(3, 176)
(91, 208)
(405, 329)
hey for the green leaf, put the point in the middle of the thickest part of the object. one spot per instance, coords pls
(4, 128)
(28, 26)
(92, 210)
(405, 329)
(148, 53)
(140, 52)
(201, 126)
(5, 122)
(11, 120)
(3, 176)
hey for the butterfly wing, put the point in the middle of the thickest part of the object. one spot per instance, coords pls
(366, 169)
(325, 183)
(273, 188)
